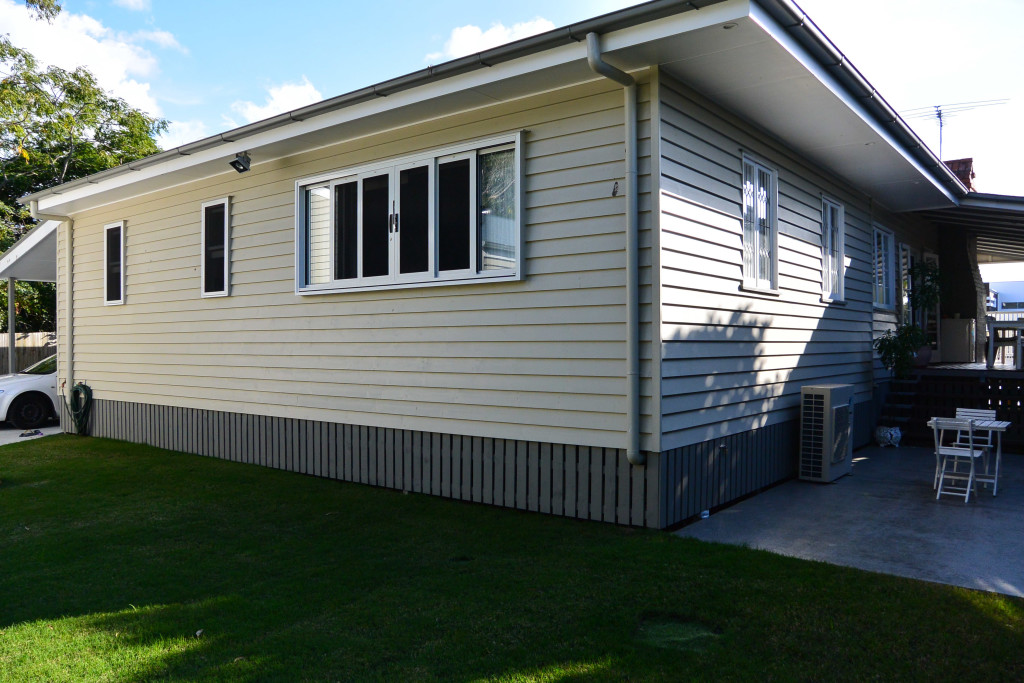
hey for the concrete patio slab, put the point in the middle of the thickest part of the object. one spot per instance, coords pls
(884, 518)
(9, 434)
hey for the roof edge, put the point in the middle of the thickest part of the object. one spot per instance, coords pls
(572, 33)
(795, 21)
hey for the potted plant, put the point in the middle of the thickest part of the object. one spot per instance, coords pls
(898, 349)
(924, 296)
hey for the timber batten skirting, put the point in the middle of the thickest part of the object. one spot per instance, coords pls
(573, 481)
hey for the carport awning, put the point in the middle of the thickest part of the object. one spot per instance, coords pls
(34, 256)
(997, 220)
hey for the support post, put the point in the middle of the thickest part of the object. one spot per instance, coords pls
(12, 338)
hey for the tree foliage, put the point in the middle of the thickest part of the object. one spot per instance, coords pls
(44, 9)
(55, 126)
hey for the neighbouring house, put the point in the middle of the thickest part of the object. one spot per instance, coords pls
(586, 273)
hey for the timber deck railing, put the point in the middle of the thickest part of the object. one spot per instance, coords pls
(938, 393)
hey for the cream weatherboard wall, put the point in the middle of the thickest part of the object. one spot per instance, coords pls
(540, 359)
(734, 360)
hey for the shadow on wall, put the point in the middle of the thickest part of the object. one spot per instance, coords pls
(732, 396)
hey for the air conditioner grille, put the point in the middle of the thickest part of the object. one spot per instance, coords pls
(812, 436)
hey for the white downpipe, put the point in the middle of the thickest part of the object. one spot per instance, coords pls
(633, 452)
(12, 337)
(70, 350)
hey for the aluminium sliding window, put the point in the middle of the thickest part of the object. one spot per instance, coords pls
(833, 243)
(760, 226)
(443, 217)
(113, 264)
(216, 248)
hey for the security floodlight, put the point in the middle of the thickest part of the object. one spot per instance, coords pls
(241, 162)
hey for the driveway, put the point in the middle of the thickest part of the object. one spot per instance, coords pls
(884, 518)
(9, 434)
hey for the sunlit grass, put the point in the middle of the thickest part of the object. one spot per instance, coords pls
(121, 562)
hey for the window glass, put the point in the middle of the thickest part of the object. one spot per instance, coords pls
(906, 284)
(414, 220)
(113, 247)
(832, 250)
(47, 366)
(346, 238)
(318, 240)
(453, 217)
(758, 225)
(497, 210)
(883, 275)
(214, 252)
(376, 226)
(423, 219)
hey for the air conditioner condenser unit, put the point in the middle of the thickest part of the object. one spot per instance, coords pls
(826, 431)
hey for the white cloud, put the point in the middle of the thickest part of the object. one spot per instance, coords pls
(164, 39)
(466, 40)
(120, 64)
(280, 98)
(182, 132)
(133, 5)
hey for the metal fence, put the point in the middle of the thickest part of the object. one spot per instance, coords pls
(30, 347)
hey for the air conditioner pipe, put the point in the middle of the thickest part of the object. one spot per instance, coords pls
(599, 66)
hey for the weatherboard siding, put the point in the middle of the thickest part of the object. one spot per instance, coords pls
(732, 360)
(539, 360)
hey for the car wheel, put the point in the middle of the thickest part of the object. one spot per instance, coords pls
(28, 412)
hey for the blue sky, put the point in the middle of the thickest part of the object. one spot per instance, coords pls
(210, 66)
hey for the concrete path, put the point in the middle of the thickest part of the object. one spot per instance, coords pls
(884, 518)
(9, 434)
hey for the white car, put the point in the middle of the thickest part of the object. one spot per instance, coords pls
(29, 398)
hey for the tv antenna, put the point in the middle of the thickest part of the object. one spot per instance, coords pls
(941, 112)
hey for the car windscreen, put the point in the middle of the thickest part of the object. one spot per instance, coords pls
(47, 366)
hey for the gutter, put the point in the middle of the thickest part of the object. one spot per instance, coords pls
(599, 66)
(793, 20)
(70, 350)
(573, 33)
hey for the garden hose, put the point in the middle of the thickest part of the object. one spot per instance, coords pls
(79, 407)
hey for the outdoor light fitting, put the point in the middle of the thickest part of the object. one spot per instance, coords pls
(241, 162)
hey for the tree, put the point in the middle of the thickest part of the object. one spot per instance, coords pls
(44, 9)
(55, 126)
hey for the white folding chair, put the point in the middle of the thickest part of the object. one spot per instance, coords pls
(949, 458)
(983, 438)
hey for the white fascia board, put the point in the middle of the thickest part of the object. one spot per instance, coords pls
(783, 38)
(620, 40)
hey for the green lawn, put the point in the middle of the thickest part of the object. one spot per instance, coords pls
(114, 556)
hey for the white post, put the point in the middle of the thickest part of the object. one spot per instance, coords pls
(11, 324)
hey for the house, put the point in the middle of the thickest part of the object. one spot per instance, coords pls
(586, 273)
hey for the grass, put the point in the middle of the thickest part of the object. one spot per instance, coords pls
(121, 562)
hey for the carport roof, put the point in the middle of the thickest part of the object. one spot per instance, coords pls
(34, 256)
(997, 220)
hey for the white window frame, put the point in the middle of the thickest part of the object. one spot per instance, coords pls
(433, 276)
(106, 228)
(753, 281)
(226, 202)
(839, 268)
(889, 268)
